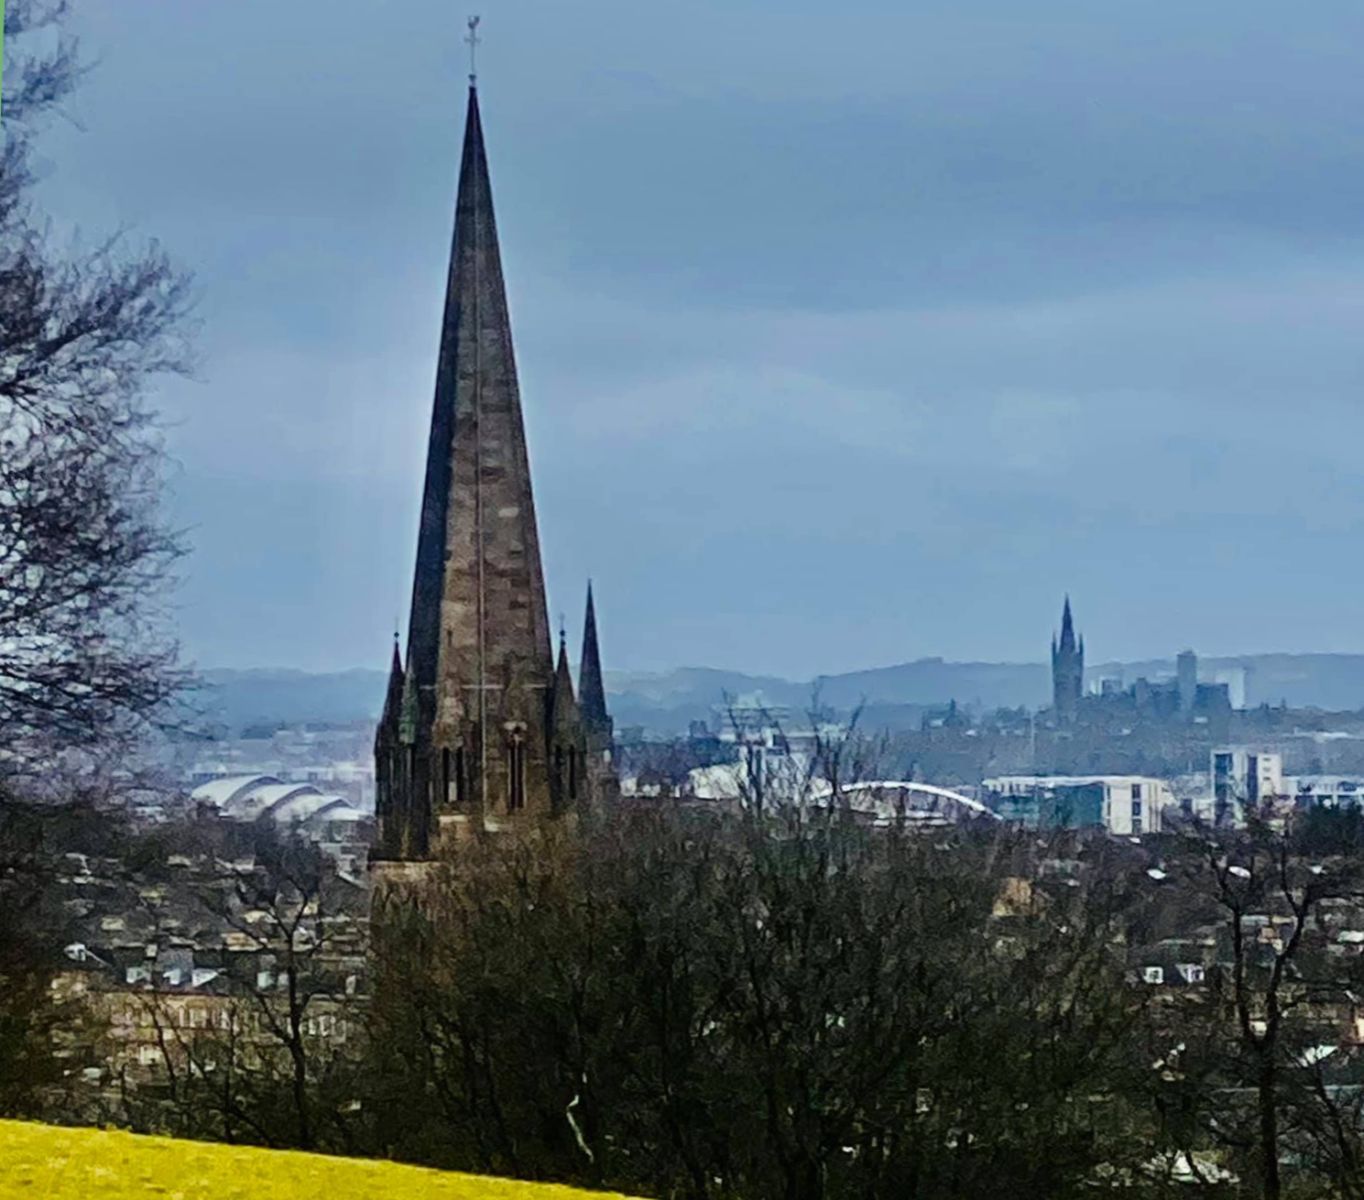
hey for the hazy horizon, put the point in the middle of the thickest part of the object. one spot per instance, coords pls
(843, 342)
(1091, 664)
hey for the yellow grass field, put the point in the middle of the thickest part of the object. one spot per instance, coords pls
(50, 1163)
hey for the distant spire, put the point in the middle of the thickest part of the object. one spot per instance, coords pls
(1067, 628)
(1067, 668)
(591, 692)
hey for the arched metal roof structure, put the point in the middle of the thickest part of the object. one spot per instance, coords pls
(221, 793)
(261, 797)
(890, 799)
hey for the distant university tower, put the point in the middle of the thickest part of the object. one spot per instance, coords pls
(1067, 669)
(480, 724)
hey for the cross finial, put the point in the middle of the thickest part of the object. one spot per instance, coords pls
(473, 39)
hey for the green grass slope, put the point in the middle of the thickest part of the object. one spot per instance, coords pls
(51, 1163)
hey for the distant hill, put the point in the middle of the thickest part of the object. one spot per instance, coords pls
(265, 696)
(666, 702)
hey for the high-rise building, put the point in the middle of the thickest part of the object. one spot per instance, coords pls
(1067, 669)
(1186, 672)
(480, 724)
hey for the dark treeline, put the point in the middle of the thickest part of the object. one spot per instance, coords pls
(683, 1004)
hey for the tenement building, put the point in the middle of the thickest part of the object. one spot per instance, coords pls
(481, 726)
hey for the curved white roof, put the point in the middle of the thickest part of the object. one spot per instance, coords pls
(256, 797)
(309, 807)
(344, 811)
(258, 801)
(927, 790)
(222, 792)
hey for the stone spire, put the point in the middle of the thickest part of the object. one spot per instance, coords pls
(479, 677)
(591, 693)
(1067, 627)
(1067, 669)
(491, 605)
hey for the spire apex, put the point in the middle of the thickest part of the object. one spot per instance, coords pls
(473, 40)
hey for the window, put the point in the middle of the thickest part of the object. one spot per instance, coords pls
(572, 774)
(148, 1056)
(461, 779)
(1191, 972)
(320, 1026)
(1153, 974)
(516, 773)
(1136, 794)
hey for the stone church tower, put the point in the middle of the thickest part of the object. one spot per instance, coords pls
(1067, 669)
(478, 725)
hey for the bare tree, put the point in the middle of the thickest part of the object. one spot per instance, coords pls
(84, 655)
(1248, 1069)
(295, 993)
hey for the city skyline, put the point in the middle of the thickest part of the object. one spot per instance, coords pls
(975, 311)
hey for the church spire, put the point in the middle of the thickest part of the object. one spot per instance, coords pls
(1067, 627)
(1067, 668)
(482, 715)
(478, 554)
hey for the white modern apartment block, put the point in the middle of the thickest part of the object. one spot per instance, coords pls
(1127, 805)
(1242, 779)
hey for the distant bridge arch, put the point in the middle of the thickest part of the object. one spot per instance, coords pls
(889, 800)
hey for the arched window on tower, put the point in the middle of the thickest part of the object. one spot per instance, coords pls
(573, 774)
(461, 792)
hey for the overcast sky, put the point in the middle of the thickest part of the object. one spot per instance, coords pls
(848, 334)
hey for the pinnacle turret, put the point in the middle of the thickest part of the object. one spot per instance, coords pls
(591, 691)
